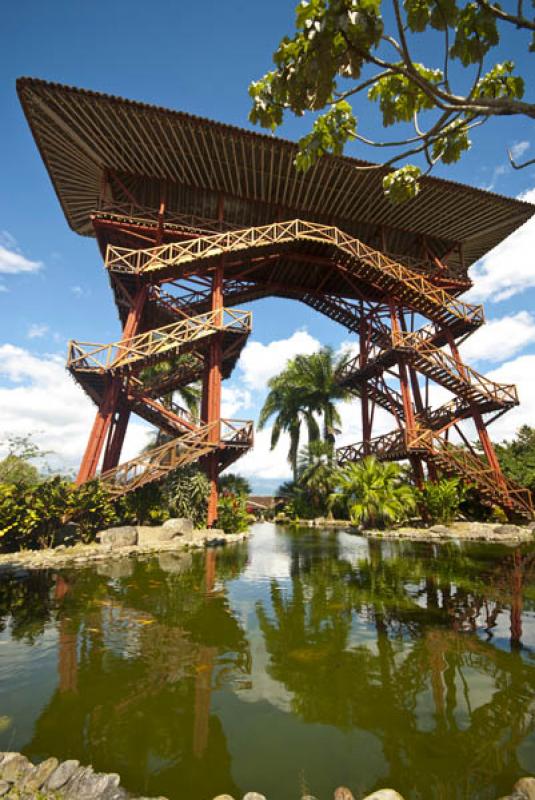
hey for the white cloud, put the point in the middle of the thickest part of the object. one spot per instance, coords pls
(38, 396)
(259, 362)
(234, 400)
(519, 148)
(37, 331)
(500, 339)
(3, 288)
(79, 292)
(520, 371)
(497, 172)
(11, 259)
(508, 269)
(262, 462)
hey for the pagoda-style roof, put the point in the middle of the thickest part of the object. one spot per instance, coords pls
(97, 145)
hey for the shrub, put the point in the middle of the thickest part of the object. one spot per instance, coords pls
(232, 513)
(30, 517)
(441, 500)
(146, 505)
(374, 493)
(186, 493)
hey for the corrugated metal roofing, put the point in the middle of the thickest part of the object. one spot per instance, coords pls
(84, 135)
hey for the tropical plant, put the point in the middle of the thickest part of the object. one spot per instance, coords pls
(345, 50)
(92, 508)
(186, 493)
(232, 514)
(296, 501)
(286, 401)
(317, 374)
(441, 500)
(234, 484)
(30, 517)
(189, 394)
(305, 390)
(146, 505)
(374, 493)
(316, 474)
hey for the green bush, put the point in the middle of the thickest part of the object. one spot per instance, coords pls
(186, 495)
(30, 517)
(147, 505)
(232, 514)
(441, 500)
(374, 494)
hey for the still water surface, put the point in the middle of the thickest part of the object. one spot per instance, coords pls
(289, 665)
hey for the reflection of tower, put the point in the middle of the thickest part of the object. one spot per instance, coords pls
(516, 600)
(67, 646)
(205, 669)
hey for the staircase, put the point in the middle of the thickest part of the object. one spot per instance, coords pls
(460, 379)
(230, 442)
(183, 343)
(392, 278)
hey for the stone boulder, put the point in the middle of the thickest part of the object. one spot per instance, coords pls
(208, 536)
(148, 536)
(124, 536)
(181, 526)
(524, 789)
(384, 794)
(507, 530)
(442, 530)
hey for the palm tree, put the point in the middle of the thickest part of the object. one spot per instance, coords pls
(374, 493)
(286, 401)
(307, 387)
(317, 375)
(190, 394)
(316, 470)
(234, 484)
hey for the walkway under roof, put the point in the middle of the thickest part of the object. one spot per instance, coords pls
(99, 146)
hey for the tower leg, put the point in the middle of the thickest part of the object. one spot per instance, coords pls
(211, 402)
(408, 407)
(364, 398)
(108, 406)
(484, 438)
(115, 441)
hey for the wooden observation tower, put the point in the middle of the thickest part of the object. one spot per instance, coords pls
(194, 218)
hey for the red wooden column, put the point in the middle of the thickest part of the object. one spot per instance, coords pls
(364, 399)
(211, 401)
(109, 405)
(484, 438)
(408, 408)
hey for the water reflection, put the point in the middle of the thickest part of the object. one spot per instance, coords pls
(450, 709)
(301, 661)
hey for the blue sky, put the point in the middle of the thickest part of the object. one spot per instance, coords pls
(198, 58)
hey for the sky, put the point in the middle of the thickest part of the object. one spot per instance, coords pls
(200, 58)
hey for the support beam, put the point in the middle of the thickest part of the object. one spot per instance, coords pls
(211, 400)
(108, 407)
(364, 342)
(408, 407)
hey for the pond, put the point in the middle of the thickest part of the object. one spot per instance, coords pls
(291, 664)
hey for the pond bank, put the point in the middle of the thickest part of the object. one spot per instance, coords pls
(118, 543)
(67, 780)
(460, 531)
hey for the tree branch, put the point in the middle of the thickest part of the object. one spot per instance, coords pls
(519, 20)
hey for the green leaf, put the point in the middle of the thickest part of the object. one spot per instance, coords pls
(402, 184)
